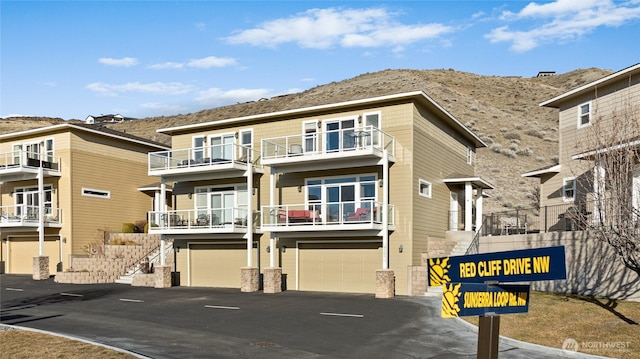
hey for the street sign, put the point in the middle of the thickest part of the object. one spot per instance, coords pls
(510, 266)
(466, 299)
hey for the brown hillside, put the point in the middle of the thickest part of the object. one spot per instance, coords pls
(503, 111)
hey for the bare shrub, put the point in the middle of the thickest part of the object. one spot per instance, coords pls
(540, 159)
(486, 139)
(512, 136)
(509, 153)
(535, 133)
(550, 139)
(496, 147)
(514, 147)
(524, 152)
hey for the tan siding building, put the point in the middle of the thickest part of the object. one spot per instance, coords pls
(90, 179)
(340, 197)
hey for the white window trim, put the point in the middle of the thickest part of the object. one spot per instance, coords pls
(87, 193)
(428, 184)
(364, 118)
(469, 155)
(580, 124)
(564, 189)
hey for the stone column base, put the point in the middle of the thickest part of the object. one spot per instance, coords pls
(249, 281)
(385, 283)
(40, 268)
(273, 280)
(162, 276)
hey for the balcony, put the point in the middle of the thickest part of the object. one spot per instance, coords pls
(339, 216)
(201, 221)
(28, 217)
(327, 150)
(24, 165)
(209, 162)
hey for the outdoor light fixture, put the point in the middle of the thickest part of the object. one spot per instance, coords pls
(400, 249)
(268, 249)
(359, 119)
(299, 189)
(284, 249)
(190, 195)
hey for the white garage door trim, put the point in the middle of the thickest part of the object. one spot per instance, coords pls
(299, 242)
(255, 246)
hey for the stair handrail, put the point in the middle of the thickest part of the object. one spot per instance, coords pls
(474, 246)
(136, 264)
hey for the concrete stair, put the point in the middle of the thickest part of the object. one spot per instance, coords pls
(153, 258)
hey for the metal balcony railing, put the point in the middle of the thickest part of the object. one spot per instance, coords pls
(310, 214)
(20, 215)
(232, 218)
(28, 159)
(200, 157)
(336, 141)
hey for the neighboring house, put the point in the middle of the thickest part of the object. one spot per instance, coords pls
(60, 184)
(567, 187)
(93, 120)
(546, 73)
(343, 197)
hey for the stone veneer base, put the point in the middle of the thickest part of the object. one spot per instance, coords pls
(40, 268)
(272, 280)
(385, 283)
(162, 276)
(249, 279)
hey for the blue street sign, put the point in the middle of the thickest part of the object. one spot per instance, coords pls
(511, 266)
(466, 299)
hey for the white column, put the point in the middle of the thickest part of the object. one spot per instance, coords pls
(478, 209)
(453, 212)
(468, 206)
(635, 192)
(385, 209)
(40, 210)
(162, 205)
(272, 238)
(249, 234)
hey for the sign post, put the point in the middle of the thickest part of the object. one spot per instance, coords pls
(471, 285)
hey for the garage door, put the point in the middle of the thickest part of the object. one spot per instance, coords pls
(339, 267)
(22, 251)
(218, 265)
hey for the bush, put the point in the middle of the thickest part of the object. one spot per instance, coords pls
(535, 133)
(524, 152)
(496, 147)
(512, 136)
(128, 228)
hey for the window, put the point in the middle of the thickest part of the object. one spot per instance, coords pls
(198, 149)
(48, 150)
(336, 197)
(17, 154)
(246, 141)
(469, 155)
(372, 121)
(584, 115)
(424, 188)
(310, 136)
(569, 189)
(96, 193)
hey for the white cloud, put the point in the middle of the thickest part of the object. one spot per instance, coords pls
(203, 63)
(167, 65)
(325, 28)
(123, 62)
(211, 61)
(561, 21)
(163, 107)
(162, 88)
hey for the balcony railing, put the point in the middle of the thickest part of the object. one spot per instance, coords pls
(339, 213)
(203, 157)
(222, 219)
(28, 159)
(369, 139)
(23, 215)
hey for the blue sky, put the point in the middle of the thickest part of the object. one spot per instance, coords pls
(71, 59)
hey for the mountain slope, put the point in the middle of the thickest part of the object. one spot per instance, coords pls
(503, 111)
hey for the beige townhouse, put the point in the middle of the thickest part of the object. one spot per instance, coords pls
(60, 185)
(341, 197)
(586, 114)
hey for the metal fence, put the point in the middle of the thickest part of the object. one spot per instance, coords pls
(557, 218)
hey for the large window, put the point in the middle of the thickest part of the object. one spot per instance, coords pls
(584, 114)
(372, 121)
(222, 146)
(221, 205)
(342, 196)
(340, 134)
(27, 201)
(198, 148)
(246, 140)
(569, 189)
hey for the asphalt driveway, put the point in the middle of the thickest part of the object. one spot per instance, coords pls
(184, 322)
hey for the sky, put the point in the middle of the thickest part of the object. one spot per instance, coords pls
(71, 59)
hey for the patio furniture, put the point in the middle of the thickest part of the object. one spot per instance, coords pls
(361, 214)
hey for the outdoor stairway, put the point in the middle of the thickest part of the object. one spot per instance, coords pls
(461, 248)
(153, 258)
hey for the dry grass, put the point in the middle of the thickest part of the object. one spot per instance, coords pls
(592, 322)
(19, 344)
